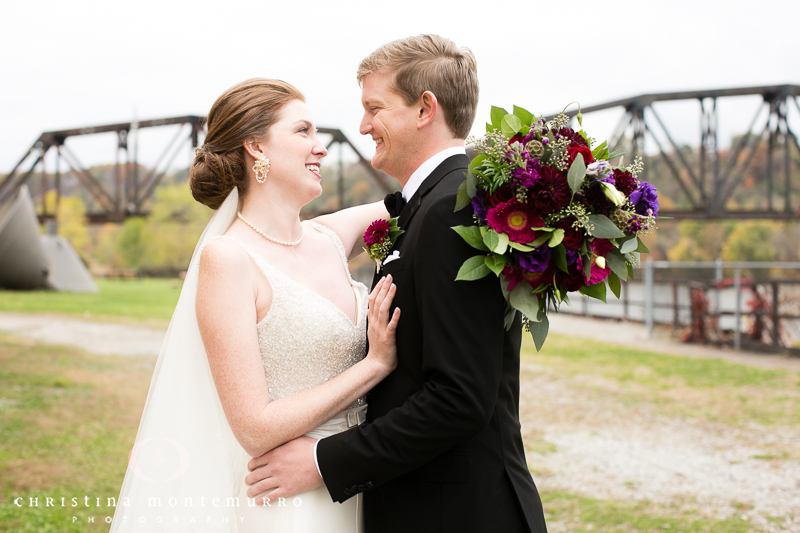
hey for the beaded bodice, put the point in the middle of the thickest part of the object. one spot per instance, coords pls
(306, 339)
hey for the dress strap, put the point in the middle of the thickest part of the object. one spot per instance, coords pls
(333, 236)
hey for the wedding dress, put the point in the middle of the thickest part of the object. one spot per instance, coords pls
(187, 470)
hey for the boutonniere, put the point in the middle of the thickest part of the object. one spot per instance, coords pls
(379, 239)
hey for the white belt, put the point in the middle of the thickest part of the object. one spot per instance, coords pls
(347, 419)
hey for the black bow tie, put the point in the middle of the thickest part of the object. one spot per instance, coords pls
(394, 203)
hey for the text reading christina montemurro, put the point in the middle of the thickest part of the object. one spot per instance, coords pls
(187, 510)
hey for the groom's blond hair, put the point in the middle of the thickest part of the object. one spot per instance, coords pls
(430, 63)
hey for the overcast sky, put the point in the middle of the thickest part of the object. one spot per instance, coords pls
(68, 63)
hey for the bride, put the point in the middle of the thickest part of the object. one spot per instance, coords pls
(268, 340)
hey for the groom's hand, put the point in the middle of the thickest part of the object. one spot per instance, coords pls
(288, 469)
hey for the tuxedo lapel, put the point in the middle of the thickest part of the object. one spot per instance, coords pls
(446, 166)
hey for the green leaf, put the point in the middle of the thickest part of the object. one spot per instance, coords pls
(508, 319)
(502, 246)
(491, 239)
(541, 239)
(489, 128)
(617, 264)
(522, 299)
(497, 115)
(496, 263)
(524, 115)
(559, 255)
(520, 247)
(601, 151)
(598, 291)
(472, 184)
(615, 154)
(630, 270)
(463, 199)
(510, 125)
(539, 331)
(576, 173)
(641, 248)
(473, 268)
(614, 283)
(471, 234)
(628, 245)
(555, 240)
(603, 227)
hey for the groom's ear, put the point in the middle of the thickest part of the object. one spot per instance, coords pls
(428, 108)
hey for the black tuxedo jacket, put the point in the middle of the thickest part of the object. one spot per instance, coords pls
(441, 449)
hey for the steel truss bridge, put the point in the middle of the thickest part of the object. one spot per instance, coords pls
(708, 185)
(130, 189)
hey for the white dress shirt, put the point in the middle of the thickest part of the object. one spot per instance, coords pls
(411, 187)
(426, 168)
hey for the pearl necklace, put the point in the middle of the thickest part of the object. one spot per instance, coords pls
(276, 241)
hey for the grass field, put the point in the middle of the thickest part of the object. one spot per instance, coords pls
(713, 389)
(68, 418)
(150, 299)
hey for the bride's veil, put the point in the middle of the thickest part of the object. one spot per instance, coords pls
(186, 466)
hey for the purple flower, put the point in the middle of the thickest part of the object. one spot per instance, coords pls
(601, 170)
(479, 205)
(535, 261)
(572, 256)
(645, 199)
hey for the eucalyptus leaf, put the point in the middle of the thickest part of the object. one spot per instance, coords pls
(641, 248)
(555, 240)
(472, 184)
(539, 331)
(471, 234)
(576, 173)
(473, 268)
(510, 125)
(617, 265)
(524, 115)
(598, 291)
(587, 267)
(508, 319)
(463, 199)
(630, 270)
(603, 227)
(628, 245)
(496, 263)
(497, 115)
(522, 299)
(559, 256)
(614, 283)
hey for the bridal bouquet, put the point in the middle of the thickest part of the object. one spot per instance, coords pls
(552, 214)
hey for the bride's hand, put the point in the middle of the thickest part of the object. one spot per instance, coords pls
(381, 332)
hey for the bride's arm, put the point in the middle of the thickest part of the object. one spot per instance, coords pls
(351, 223)
(226, 314)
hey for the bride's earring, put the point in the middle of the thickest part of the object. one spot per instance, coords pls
(261, 169)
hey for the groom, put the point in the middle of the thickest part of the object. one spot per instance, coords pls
(441, 449)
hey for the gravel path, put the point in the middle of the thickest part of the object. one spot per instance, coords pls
(581, 440)
(96, 337)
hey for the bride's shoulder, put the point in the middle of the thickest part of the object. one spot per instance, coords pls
(223, 257)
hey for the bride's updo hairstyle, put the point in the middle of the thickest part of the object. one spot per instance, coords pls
(246, 110)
